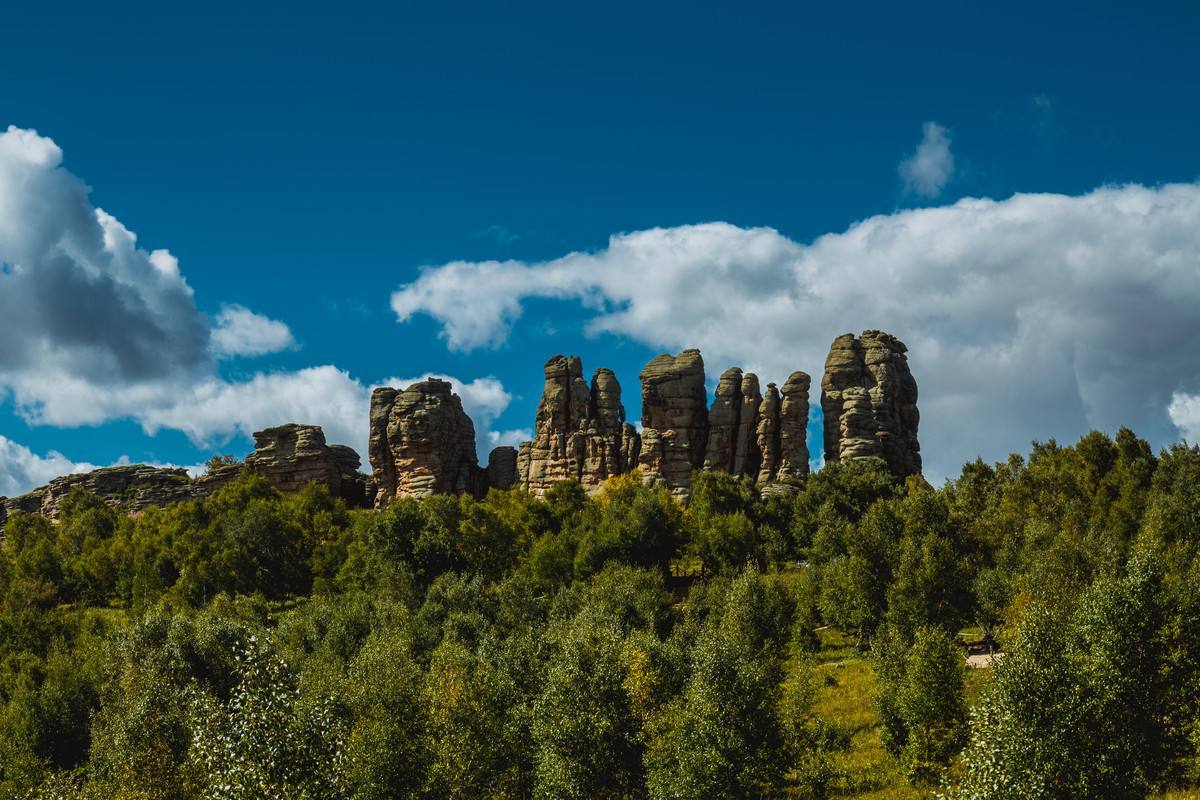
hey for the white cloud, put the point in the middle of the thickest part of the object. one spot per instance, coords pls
(21, 469)
(509, 438)
(95, 328)
(1184, 411)
(927, 171)
(241, 332)
(1040, 315)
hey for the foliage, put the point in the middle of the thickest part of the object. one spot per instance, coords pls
(621, 644)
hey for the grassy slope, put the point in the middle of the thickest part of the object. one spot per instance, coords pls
(844, 700)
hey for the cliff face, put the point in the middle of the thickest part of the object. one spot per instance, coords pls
(580, 430)
(869, 401)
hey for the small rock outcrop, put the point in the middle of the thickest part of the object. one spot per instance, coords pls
(132, 488)
(869, 401)
(580, 431)
(674, 420)
(292, 456)
(288, 456)
(422, 443)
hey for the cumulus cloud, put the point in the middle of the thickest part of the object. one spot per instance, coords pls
(82, 303)
(21, 469)
(241, 332)
(1185, 413)
(927, 171)
(1036, 316)
(95, 328)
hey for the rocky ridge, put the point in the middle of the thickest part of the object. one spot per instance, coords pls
(422, 441)
(288, 456)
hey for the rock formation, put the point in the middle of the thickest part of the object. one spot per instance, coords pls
(580, 431)
(733, 445)
(767, 436)
(289, 457)
(793, 428)
(674, 419)
(292, 456)
(502, 468)
(869, 401)
(133, 488)
(422, 442)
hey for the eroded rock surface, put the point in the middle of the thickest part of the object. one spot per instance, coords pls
(793, 428)
(674, 419)
(422, 443)
(132, 488)
(580, 431)
(869, 401)
(502, 468)
(292, 456)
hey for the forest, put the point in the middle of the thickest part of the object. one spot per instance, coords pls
(801, 644)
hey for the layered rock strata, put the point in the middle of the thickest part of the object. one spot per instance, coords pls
(422, 442)
(134, 488)
(674, 420)
(793, 428)
(580, 431)
(869, 402)
(292, 456)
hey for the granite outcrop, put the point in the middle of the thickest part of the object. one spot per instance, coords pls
(288, 456)
(580, 430)
(422, 442)
(869, 402)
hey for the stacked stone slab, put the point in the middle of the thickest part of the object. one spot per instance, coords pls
(292, 456)
(580, 432)
(674, 420)
(869, 401)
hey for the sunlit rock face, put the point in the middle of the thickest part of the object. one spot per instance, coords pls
(869, 402)
(422, 443)
(580, 431)
(674, 420)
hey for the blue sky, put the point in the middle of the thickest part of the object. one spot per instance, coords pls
(303, 166)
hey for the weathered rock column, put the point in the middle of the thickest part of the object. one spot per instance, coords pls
(674, 419)
(869, 401)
